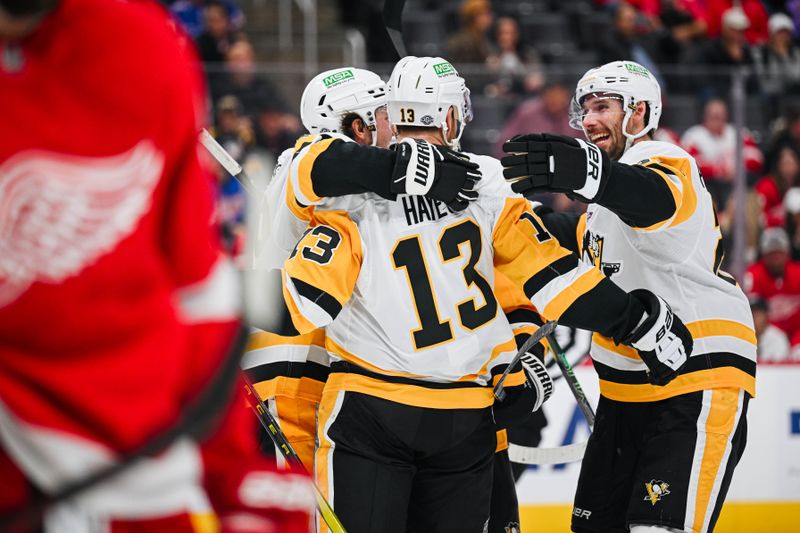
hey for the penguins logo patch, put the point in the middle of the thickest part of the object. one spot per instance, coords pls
(656, 490)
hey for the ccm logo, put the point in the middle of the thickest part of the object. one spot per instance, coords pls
(581, 513)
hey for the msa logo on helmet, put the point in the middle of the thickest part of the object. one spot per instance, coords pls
(656, 490)
(337, 77)
(637, 69)
(427, 120)
(443, 69)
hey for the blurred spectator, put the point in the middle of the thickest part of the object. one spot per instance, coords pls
(777, 63)
(275, 127)
(756, 30)
(721, 55)
(786, 133)
(190, 14)
(776, 279)
(684, 19)
(548, 112)
(713, 144)
(471, 44)
(791, 204)
(517, 66)
(216, 39)
(235, 133)
(772, 188)
(773, 345)
(624, 43)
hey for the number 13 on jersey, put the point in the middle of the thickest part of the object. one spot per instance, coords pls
(409, 255)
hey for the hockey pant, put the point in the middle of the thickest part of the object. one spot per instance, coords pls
(387, 467)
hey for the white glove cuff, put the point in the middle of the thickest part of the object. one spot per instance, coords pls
(421, 170)
(594, 170)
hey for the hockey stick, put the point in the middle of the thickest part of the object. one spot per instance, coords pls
(571, 379)
(283, 444)
(228, 163)
(540, 333)
(563, 454)
(393, 20)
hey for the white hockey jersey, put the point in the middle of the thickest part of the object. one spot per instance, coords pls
(405, 289)
(678, 259)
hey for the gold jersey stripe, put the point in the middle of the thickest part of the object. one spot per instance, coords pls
(719, 430)
(502, 440)
(514, 379)
(265, 339)
(336, 349)
(509, 346)
(301, 212)
(300, 322)
(677, 196)
(414, 395)
(586, 282)
(710, 378)
(304, 388)
(579, 232)
(722, 328)
(699, 329)
(307, 164)
(682, 168)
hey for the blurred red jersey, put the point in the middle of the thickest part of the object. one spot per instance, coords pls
(104, 224)
(116, 305)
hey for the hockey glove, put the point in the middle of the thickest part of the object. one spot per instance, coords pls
(663, 342)
(434, 171)
(522, 400)
(538, 377)
(555, 163)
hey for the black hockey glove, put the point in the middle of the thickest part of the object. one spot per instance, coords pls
(521, 401)
(545, 162)
(663, 342)
(436, 172)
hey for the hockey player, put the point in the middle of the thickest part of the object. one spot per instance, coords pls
(289, 371)
(116, 306)
(666, 440)
(404, 289)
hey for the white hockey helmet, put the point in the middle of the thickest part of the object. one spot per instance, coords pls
(332, 94)
(631, 82)
(422, 90)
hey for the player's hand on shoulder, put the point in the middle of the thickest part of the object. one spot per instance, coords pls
(540, 162)
(434, 171)
(663, 342)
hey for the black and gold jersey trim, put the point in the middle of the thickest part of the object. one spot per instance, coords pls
(288, 369)
(694, 364)
(555, 269)
(321, 298)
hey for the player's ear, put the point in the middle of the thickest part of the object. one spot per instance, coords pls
(452, 123)
(360, 131)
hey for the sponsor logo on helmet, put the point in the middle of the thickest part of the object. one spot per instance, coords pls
(337, 77)
(656, 490)
(443, 69)
(427, 120)
(637, 69)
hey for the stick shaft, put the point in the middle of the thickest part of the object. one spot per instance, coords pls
(571, 379)
(280, 440)
(228, 162)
